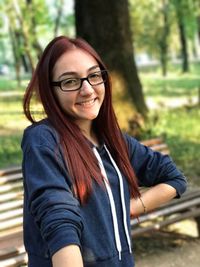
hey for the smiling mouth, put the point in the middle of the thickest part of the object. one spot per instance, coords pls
(87, 103)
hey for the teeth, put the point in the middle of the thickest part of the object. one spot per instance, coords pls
(87, 103)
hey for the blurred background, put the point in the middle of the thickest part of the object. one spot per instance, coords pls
(151, 49)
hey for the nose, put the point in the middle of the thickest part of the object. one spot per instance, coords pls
(86, 88)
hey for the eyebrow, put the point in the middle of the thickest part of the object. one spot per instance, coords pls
(73, 72)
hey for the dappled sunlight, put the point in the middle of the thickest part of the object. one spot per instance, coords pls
(124, 112)
(180, 128)
(15, 127)
(174, 85)
(160, 102)
(9, 86)
(185, 227)
(170, 87)
(122, 103)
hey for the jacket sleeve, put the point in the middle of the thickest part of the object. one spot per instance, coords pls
(152, 167)
(50, 200)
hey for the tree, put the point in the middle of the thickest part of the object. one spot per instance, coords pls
(33, 25)
(105, 24)
(166, 29)
(24, 33)
(152, 29)
(58, 17)
(14, 34)
(196, 10)
(181, 8)
(16, 52)
(164, 36)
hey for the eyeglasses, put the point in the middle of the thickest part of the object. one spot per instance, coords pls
(74, 84)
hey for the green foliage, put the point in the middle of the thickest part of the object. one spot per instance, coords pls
(9, 84)
(180, 128)
(10, 151)
(148, 28)
(174, 85)
(12, 122)
(186, 10)
(27, 26)
(143, 24)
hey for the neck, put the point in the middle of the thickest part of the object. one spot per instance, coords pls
(88, 132)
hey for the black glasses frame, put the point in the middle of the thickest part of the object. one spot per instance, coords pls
(104, 74)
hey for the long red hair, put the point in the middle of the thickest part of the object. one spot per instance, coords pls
(80, 160)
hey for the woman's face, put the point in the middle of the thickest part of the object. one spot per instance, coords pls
(84, 104)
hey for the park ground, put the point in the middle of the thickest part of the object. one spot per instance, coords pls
(178, 247)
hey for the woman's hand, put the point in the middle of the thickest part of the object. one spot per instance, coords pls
(151, 199)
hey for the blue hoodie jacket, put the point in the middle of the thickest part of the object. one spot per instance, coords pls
(53, 217)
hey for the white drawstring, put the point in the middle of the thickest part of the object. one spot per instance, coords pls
(122, 199)
(112, 203)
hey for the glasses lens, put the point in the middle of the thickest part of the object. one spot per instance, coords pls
(97, 77)
(70, 84)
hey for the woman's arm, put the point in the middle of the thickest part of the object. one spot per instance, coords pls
(153, 168)
(50, 199)
(152, 198)
(156, 171)
(67, 257)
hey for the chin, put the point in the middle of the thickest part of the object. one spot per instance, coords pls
(91, 116)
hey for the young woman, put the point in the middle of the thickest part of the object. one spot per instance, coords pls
(80, 184)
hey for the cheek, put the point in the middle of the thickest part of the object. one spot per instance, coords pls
(101, 92)
(65, 103)
(62, 100)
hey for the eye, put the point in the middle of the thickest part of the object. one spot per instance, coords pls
(95, 75)
(70, 82)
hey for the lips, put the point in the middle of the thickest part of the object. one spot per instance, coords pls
(87, 103)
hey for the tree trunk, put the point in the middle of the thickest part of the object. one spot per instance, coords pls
(164, 38)
(183, 39)
(59, 14)
(35, 43)
(16, 55)
(198, 26)
(24, 34)
(184, 49)
(198, 19)
(25, 64)
(105, 24)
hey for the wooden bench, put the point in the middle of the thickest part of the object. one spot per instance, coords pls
(12, 252)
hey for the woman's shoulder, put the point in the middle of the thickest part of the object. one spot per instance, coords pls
(40, 133)
(130, 140)
(135, 147)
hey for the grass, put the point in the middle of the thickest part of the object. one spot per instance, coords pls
(11, 85)
(12, 121)
(179, 126)
(10, 152)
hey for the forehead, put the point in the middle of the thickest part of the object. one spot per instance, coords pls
(74, 60)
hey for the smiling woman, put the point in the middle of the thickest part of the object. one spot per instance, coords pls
(79, 170)
(81, 98)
